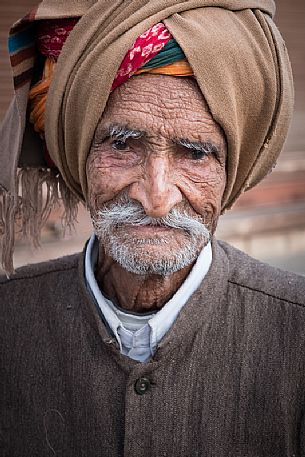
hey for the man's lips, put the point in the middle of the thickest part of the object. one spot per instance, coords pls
(147, 229)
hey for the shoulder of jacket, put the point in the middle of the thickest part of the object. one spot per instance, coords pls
(258, 277)
(62, 264)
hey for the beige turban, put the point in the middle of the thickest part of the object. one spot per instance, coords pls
(239, 60)
(240, 63)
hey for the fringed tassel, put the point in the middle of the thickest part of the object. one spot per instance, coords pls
(8, 210)
(39, 191)
(37, 201)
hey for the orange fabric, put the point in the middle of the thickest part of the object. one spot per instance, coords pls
(179, 68)
(38, 96)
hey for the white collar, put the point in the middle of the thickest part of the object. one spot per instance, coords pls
(159, 323)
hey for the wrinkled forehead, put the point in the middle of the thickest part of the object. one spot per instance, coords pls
(160, 105)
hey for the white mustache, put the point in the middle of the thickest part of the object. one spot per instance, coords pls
(126, 211)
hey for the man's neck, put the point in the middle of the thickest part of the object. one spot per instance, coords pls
(134, 292)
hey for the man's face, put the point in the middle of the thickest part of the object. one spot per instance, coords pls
(156, 174)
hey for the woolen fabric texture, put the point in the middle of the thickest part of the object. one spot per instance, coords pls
(238, 58)
(228, 379)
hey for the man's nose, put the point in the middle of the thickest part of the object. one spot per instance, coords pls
(155, 190)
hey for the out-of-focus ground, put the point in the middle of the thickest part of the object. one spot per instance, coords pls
(268, 222)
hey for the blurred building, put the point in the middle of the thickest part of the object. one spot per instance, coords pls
(268, 222)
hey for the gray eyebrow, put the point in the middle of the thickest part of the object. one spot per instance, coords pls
(207, 147)
(122, 132)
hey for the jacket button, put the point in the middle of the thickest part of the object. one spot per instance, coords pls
(142, 385)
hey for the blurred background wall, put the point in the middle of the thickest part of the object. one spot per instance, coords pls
(268, 222)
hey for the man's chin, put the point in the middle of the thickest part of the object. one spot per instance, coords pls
(152, 255)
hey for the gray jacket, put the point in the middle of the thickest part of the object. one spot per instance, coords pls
(227, 380)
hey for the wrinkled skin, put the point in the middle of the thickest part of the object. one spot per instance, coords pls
(157, 172)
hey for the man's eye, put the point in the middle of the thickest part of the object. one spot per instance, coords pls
(119, 145)
(197, 154)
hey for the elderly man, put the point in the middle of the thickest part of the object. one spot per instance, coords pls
(158, 340)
